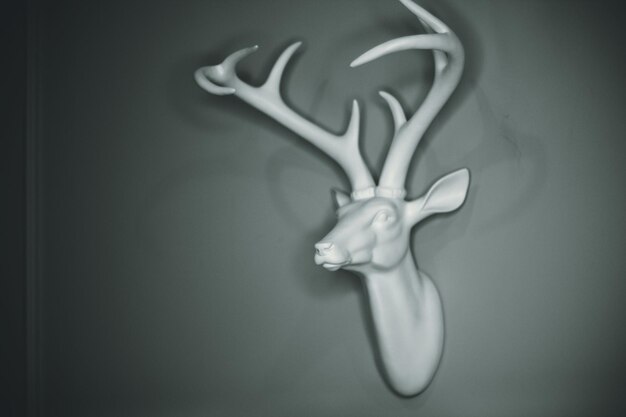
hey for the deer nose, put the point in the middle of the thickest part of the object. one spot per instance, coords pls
(322, 248)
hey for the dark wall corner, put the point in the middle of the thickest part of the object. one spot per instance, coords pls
(12, 209)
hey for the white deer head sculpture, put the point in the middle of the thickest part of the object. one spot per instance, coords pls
(372, 235)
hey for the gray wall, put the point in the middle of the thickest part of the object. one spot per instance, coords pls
(177, 227)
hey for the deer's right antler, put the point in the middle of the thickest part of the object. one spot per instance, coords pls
(344, 149)
(449, 57)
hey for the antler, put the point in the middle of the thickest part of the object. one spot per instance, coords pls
(344, 149)
(449, 56)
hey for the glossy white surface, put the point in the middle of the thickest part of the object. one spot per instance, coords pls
(371, 237)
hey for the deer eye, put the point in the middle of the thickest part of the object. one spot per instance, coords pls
(383, 216)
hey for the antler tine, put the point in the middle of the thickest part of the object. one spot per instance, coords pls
(399, 117)
(344, 149)
(449, 56)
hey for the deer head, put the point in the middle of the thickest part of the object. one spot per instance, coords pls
(373, 233)
(374, 220)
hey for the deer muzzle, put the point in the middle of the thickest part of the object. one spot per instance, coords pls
(331, 256)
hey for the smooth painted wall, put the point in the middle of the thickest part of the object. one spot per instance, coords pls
(178, 228)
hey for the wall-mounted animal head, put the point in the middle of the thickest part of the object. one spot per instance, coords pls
(374, 220)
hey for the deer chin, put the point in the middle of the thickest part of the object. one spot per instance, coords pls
(334, 267)
(333, 261)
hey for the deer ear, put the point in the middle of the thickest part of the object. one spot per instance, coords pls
(340, 198)
(445, 195)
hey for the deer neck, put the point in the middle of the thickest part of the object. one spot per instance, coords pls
(401, 287)
(404, 276)
(408, 321)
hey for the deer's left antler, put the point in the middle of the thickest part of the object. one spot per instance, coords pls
(344, 149)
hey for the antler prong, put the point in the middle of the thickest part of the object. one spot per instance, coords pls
(202, 78)
(352, 131)
(276, 74)
(424, 41)
(222, 73)
(399, 117)
(425, 17)
(231, 61)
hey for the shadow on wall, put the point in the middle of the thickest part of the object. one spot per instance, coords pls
(502, 144)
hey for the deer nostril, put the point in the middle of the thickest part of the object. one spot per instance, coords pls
(323, 247)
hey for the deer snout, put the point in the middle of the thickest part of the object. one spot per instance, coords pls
(330, 256)
(323, 248)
